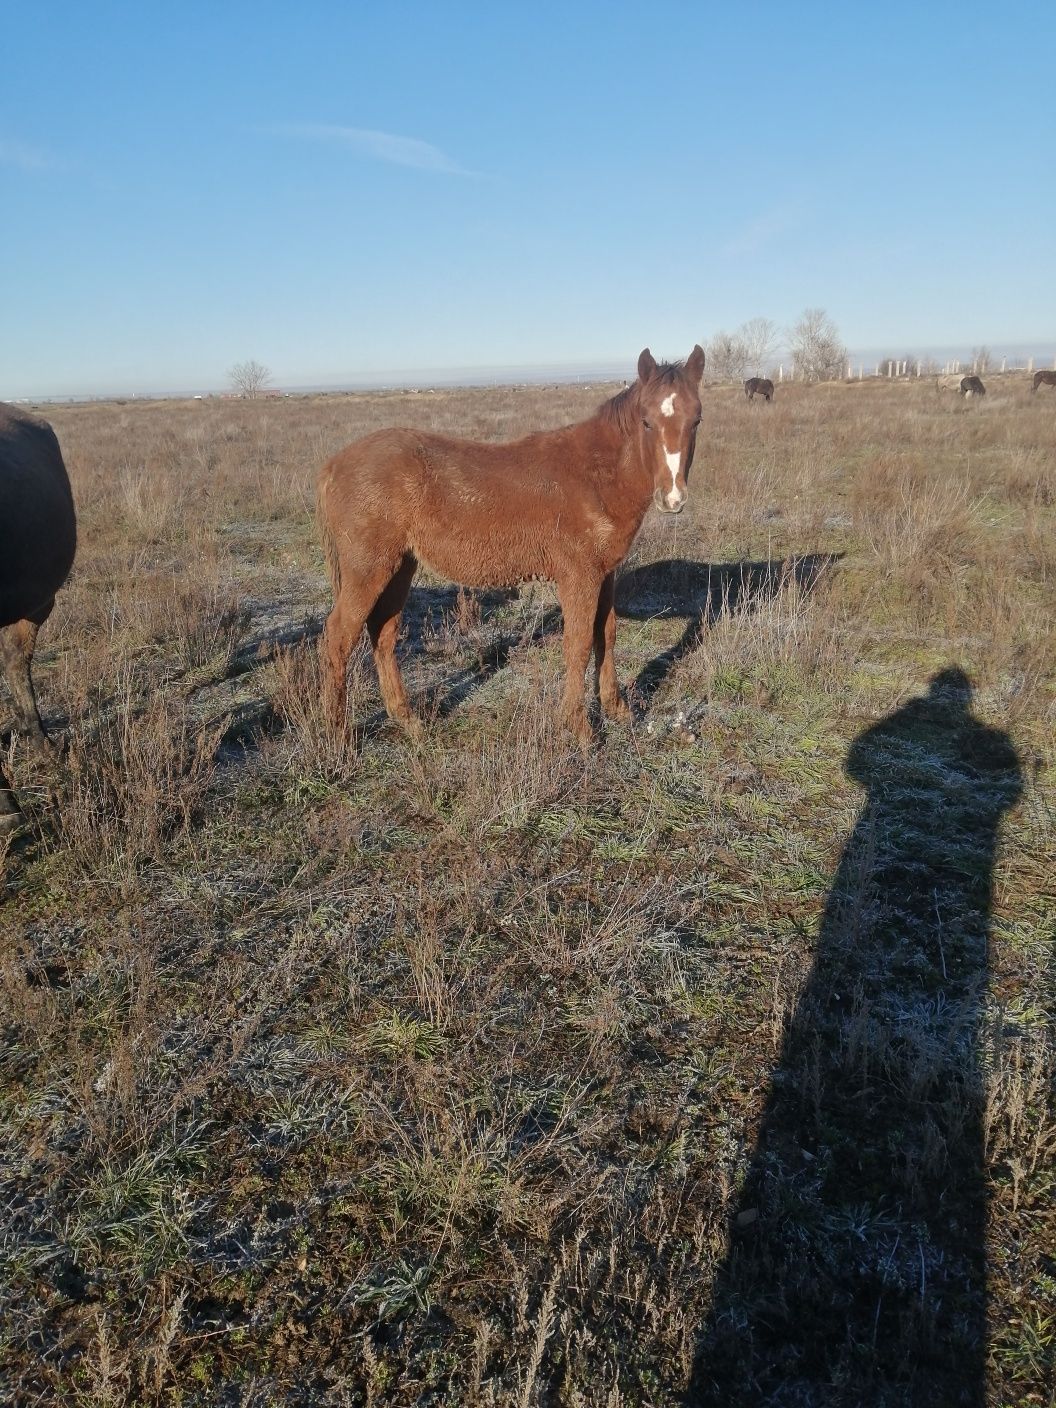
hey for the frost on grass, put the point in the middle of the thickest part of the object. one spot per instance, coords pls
(337, 1071)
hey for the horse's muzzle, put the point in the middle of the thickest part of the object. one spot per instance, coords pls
(663, 506)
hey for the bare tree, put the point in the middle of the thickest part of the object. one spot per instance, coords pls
(981, 360)
(818, 354)
(727, 356)
(761, 338)
(249, 378)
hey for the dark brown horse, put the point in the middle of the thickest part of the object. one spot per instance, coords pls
(561, 506)
(759, 386)
(1043, 379)
(972, 386)
(38, 537)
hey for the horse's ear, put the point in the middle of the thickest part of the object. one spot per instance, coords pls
(646, 366)
(695, 364)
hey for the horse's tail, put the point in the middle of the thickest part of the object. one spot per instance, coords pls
(326, 533)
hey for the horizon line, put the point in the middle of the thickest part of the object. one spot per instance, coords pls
(502, 373)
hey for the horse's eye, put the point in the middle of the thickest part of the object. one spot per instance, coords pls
(647, 424)
(696, 422)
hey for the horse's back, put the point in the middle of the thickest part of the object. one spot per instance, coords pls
(480, 513)
(38, 527)
(387, 467)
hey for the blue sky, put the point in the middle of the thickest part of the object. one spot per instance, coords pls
(338, 190)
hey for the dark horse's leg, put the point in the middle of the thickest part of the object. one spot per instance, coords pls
(579, 606)
(383, 624)
(17, 643)
(612, 701)
(10, 816)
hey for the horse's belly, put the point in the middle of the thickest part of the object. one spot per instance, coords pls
(489, 564)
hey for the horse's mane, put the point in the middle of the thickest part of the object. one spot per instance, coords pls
(620, 410)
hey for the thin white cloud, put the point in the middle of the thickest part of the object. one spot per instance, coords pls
(23, 156)
(379, 146)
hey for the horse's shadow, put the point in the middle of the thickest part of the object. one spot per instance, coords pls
(427, 617)
(490, 652)
(699, 593)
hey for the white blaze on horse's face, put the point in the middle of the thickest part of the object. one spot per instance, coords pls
(670, 422)
(675, 497)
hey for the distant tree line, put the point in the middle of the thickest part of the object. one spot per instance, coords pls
(815, 348)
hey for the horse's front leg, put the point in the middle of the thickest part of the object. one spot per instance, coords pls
(17, 643)
(579, 605)
(612, 701)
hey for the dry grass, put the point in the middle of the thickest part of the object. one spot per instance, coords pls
(478, 1074)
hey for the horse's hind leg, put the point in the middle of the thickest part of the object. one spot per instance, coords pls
(383, 624)
(612, 702)
(343, 628)
(17, 643)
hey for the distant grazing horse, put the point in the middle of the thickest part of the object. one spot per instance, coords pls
(1043, 379)
(38, 537)
(759, 386)
(972, 386)
(560, 505)
(950, 383)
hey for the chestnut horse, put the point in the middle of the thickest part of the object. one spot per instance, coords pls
(1043, 379)
(560, 506)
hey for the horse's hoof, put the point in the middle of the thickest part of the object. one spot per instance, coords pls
(49, 754)
(414, 729)
(585, 736)
(617, 710)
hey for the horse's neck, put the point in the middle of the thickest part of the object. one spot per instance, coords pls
(623, 481)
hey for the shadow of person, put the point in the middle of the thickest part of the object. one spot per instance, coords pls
(855, 1271)
(699, 593)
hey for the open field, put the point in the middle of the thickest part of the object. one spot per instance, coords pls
(716, 1068)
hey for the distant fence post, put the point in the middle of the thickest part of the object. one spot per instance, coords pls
(781, 372)
(1004, 360)
(1030, 365)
